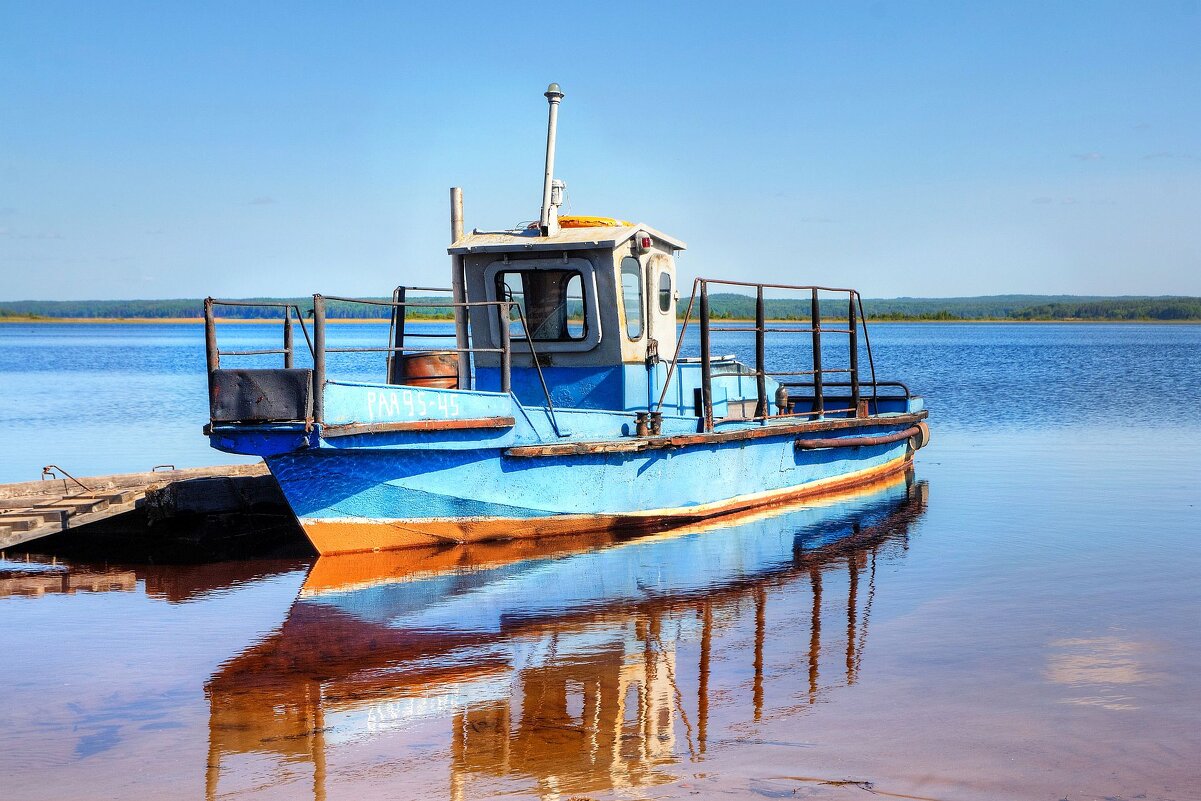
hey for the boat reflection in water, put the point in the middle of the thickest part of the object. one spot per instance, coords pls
(557, 665)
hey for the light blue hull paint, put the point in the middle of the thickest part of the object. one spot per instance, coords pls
(626, 387)
(351, 402)
(423, 484)
(664, 566)
(570, 387)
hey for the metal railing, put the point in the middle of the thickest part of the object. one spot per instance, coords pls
(855, 323)
(320, 350)
(397, 330)
(397, 335)
(213, 354)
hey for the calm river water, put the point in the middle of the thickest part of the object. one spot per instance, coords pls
(1019, 618)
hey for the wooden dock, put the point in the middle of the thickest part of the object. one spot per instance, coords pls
(35, 509)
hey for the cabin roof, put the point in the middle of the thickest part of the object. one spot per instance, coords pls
(566, 239)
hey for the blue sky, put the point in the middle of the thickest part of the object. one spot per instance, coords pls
(177, 150)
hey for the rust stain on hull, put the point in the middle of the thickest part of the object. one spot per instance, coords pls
(857, 442)
(456, 424)
(706, 439)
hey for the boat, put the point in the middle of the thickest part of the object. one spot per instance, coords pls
(499, 647)
(565, 401)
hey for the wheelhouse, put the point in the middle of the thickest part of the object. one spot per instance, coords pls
(595, 306)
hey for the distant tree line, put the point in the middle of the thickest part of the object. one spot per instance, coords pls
(728, 306)
(194, 308)
(995, 307)
(1149, 309)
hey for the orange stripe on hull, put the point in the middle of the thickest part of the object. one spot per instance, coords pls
(343, 572)
(358, 535)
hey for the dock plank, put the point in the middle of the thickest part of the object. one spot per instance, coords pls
(34, 509)
(20, 522)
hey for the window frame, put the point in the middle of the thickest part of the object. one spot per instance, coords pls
(592, 324)
(499, 281)
(625, 306)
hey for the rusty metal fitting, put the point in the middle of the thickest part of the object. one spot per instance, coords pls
(641, 428)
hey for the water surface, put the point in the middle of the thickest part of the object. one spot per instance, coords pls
(1016, 619)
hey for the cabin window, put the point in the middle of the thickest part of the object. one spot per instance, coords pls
(551, 300)
(631, 295)
(664, 292)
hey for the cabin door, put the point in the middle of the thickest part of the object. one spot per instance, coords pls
(661, 303)
(661, 320)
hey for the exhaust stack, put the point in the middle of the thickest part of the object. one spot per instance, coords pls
(552, 190)
(458, 289)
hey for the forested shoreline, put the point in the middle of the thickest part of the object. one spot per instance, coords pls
(726, 306)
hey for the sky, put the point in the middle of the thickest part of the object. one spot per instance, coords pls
(165, 150)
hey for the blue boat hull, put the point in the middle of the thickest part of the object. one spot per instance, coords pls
(368, 499)
(399, 466)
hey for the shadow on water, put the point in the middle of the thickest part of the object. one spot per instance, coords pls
(569, 667)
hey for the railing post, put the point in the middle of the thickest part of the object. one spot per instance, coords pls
(761, 407)
(853, 344)
(212, 356)
(318, 359)
(287, 338)
(706, 360)
(398, 337)
(819, 405)
(506, 350)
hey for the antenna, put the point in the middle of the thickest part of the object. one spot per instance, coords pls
(552, 190)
